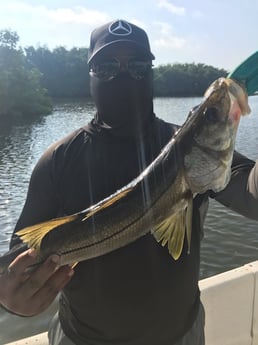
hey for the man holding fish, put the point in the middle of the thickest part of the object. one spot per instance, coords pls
(143, 186)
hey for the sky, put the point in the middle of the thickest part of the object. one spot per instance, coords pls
(220, 33)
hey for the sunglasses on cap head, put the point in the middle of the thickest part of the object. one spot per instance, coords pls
(109, 68)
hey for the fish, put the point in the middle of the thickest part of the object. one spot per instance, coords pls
(196, 159)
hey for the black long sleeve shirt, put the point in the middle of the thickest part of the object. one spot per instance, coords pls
(137, 294)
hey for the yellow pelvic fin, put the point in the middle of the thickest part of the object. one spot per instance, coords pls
(33, 235)
(172, 231)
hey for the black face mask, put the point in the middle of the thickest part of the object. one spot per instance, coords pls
(124, 105)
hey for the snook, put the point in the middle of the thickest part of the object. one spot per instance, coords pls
(196, 159)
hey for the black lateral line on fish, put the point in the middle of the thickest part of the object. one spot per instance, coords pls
(114, 233)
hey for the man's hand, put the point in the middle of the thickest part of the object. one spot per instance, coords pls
(29, 293)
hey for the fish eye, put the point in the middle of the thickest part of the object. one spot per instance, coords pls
(211, 114)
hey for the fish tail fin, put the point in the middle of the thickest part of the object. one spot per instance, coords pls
(172, 231)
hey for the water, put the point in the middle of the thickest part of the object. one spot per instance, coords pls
(230, 239)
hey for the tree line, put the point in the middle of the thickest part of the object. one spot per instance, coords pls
(21, 92)
(31, 78)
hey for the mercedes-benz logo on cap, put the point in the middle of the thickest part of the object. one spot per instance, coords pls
(120, 28)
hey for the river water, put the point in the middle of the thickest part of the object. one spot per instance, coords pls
(230, 240)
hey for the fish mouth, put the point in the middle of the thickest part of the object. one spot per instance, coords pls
(236, 91)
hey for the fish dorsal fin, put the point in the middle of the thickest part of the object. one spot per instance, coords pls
(107, 202)
(172, 231)
(33, 235)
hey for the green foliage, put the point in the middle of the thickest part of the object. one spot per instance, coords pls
(21, 94)
(9, 38)
(184, 80)
(65, 72)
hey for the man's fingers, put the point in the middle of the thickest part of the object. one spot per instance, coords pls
(21, 263)
(44, 296)
(28, 291)
(37, 279)
(31, 292)
(54, 285)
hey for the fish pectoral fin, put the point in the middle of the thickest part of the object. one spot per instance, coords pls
(172, 231)
(33, 235)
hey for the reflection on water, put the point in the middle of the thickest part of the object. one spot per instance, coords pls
(230, 240)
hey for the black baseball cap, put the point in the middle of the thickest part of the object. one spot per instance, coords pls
(118, 31)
